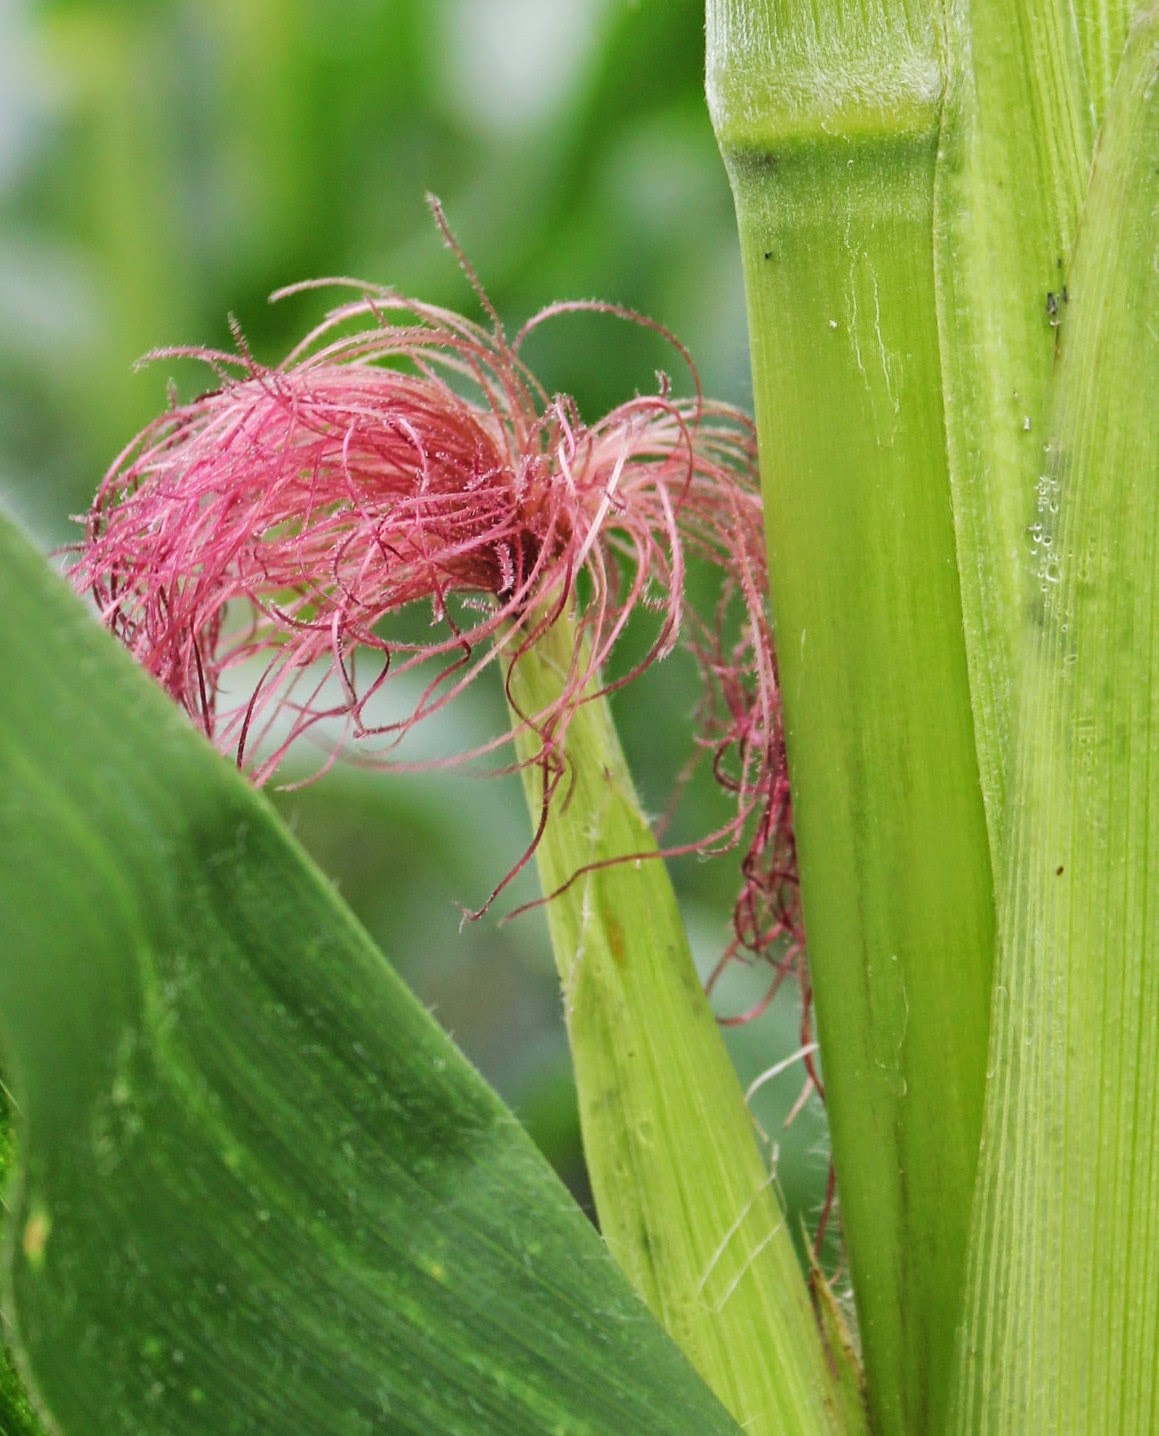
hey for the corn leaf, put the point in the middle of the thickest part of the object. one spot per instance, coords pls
(257, 1189)
(1063, 1300)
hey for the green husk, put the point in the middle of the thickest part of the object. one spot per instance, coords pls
(686, 1200)
(1063, 1302)
(829, 118)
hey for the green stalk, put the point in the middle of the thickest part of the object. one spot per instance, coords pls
(686, 1200)
(829, 118)
(1063, 1300)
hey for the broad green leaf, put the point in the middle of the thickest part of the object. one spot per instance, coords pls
(686, 1199)
(16, 1416)
(829, 118)
(1062, 1319)
(258, 1190)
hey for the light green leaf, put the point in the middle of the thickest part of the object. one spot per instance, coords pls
(258, 1189)
(1062, 1317)
(1017, 134)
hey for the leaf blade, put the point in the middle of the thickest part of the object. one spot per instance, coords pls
(259, 1189)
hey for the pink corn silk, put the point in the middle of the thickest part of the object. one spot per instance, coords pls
(283, 516)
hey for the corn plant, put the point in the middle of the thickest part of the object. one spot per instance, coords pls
(257, 1189)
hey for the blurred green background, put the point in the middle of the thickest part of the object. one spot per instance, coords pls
(164, 164)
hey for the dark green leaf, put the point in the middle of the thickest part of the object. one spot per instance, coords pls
(259, 1190)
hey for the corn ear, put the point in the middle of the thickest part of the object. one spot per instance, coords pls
(686, 1200)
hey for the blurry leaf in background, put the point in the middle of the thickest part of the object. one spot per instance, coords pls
(169, 163)
(165, 164)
